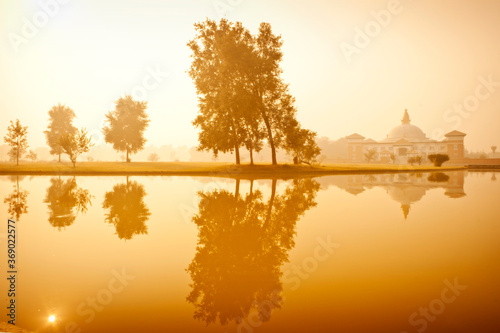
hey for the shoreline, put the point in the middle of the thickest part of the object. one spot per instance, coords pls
(210, 169)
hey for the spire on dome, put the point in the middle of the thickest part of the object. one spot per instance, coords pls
(406, 118)
(406, 210)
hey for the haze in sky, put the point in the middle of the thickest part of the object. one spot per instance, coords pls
(353, 66)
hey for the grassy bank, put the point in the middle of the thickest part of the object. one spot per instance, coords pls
(206, 169)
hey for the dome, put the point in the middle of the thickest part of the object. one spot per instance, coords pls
(406, 130)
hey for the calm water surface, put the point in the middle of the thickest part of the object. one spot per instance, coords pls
(358, 253)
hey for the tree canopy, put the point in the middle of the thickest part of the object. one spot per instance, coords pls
(127, 210)
(126, 126)
(16, 138)
(64, 199)
(242, 97)
(60, 123)
(242, 244)
(17, 202)
(75, 144)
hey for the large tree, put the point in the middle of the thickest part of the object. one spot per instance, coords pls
(274, 101)
(126, 126)
(242, 243)
(60, 123)
(17, 139)
(242, 97)
(219, 54)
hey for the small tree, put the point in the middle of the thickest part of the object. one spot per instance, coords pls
(393, 158)
(301, 145)
(493, 149)
(415, 159)
(438, 159)
(75, 144)
(16, 138)
(154, 157)
(370, 155)
(32, 156)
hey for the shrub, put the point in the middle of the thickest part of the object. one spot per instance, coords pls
(438, 159)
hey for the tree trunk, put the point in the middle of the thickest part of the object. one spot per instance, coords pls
(251, 156)
(127, 160)
(17, 152)
(59, 157)
(237, 153)
(251, 187)
(271, 203)
(270, 137)
(237, 189)
(74, 163)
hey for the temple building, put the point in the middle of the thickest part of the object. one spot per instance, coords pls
(404, 141)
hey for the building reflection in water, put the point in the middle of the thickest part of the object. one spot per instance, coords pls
(17, 204)
(242, 242)
(127, 210)
(65, 199)
(405, 188)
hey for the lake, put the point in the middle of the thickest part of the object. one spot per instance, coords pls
(349, 253)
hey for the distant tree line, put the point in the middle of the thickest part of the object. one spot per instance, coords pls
(124, 130)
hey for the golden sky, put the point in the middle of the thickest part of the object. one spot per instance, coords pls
(353, 66)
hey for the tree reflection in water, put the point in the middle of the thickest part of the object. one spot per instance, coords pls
(242, 243)
(17, 201)
(127, 210)
(65, 200)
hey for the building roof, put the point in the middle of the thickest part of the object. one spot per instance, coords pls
(355, 136)
(402, 142)
(455, 133)
(370, 141)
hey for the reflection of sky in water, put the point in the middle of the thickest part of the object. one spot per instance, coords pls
(77, 270)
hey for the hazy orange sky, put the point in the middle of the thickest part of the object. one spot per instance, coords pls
(427, 56)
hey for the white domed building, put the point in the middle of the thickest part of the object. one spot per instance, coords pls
(404, 141)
